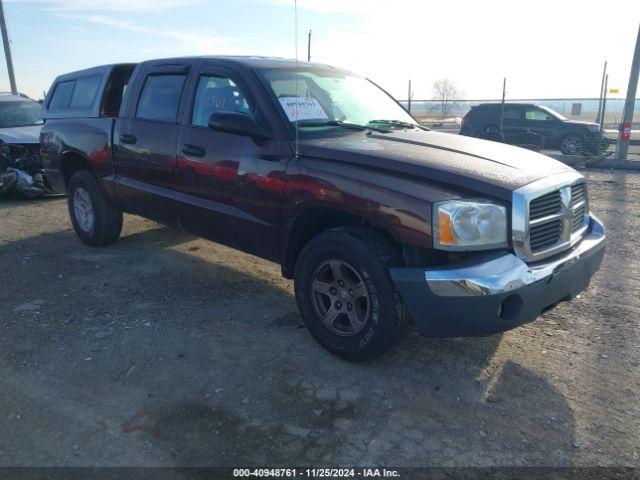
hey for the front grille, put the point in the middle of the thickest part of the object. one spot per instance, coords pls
(578, 205)
(544, 235)
(578, 193)
(545, 205)
(557, 218)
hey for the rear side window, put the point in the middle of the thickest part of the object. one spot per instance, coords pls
(160, 98)
(85, 92)
(62, 95)
(512, 113)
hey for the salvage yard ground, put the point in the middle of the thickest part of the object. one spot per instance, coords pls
(164, 349)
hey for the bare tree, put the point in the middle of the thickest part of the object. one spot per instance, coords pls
(445, 92)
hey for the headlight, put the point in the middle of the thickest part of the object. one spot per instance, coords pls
(469, 225)
(593, 128)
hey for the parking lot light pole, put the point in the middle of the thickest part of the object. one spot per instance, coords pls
(622, 147)
(7, 51)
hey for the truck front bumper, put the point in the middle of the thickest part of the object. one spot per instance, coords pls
(496, 291)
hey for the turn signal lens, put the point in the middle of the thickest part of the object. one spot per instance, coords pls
(445, 229)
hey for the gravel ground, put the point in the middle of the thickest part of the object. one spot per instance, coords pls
(164, 349)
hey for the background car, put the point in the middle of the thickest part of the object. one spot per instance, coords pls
(531, 125)
(20, 165)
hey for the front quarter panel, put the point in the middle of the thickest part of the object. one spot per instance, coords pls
(400, 205)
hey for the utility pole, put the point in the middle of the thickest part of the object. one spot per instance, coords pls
(604, 73)
(7, 51)
(604, 101)
(409, 95)
(622, 147)
(504, 96)
(309, 47)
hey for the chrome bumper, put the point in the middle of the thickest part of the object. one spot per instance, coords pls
(507, 272)
(496, 291)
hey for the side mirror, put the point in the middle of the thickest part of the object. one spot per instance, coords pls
(238, 123)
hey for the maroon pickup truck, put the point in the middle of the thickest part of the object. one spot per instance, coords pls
(377, 219)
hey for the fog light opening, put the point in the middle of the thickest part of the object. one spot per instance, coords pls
(510, 308)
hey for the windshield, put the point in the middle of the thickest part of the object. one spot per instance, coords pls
(317, 97)
(19, 114)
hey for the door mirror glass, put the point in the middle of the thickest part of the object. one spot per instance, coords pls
(237, 123)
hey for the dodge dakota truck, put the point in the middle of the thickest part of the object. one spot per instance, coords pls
(380, 222)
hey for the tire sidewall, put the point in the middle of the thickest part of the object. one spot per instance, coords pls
(380, 321)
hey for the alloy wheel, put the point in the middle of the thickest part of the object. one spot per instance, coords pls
(571, 144)
(83, 210)
(340, 297)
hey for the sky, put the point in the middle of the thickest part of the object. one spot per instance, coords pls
(545, 48)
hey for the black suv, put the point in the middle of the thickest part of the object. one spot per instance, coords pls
(534, 126)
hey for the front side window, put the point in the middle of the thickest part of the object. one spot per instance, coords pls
(318, 97)
(160, 98)
(19, 114)
(217, 94)
(537, 115)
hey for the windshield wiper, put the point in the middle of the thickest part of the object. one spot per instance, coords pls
(340, 123)
(400, 123)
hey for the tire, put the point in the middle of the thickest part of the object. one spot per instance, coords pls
(362, 259)
(95, 219)
(571, 144)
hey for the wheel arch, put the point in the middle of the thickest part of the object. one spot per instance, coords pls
(314, 220)
(72, 162)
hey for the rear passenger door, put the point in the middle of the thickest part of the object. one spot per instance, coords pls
(145, 140)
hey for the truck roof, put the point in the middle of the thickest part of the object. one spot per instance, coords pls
(252, 61)
(102, 70)
(245, 60)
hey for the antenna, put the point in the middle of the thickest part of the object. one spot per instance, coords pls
(295, 16)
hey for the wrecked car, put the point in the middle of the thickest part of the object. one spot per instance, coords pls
(20, 165)
(378, 220)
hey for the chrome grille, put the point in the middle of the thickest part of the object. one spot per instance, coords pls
(549, 215)
(578, 206)
(545, 205)
(545, 234)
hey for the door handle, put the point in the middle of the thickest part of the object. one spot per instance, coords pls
(193, 150)
(128, 138)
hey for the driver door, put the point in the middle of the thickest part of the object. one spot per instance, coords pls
(542, 123)
(233, 184)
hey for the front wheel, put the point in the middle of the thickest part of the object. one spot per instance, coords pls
(345, 294)
(95, 219)
(571, 144)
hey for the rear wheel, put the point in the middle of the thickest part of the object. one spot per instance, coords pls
(345, 295)
(571, 144)
(95, 219)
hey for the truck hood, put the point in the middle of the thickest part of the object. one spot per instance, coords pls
(27, 134)
(482, 166)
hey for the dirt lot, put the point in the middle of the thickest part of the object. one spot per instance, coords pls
(164, 349)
